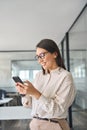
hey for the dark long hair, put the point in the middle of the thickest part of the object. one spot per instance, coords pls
(51, 47)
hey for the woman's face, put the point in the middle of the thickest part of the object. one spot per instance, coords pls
(46, 59)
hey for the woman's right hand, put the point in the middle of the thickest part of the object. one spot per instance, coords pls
(27, 88)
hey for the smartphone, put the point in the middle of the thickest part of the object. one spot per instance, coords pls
(17, 79)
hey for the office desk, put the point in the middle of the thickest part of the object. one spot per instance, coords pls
(14, 113)
(5, 101)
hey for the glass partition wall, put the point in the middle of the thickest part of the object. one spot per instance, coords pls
(78, 67)
(75, 58)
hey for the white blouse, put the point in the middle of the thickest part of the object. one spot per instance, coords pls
(58, 93)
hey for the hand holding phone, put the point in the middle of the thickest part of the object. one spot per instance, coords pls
(17, 79)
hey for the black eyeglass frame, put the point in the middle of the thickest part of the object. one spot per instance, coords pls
(41, 55)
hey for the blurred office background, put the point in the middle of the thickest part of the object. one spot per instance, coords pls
(17, 52)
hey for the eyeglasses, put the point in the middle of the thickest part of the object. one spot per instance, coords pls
(41, 56)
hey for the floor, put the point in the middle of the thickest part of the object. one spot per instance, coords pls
(80, 120)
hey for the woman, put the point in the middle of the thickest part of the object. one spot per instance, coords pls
(52, 92)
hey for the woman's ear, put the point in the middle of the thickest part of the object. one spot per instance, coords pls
(55, 54)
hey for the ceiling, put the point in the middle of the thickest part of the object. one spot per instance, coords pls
(23, 23)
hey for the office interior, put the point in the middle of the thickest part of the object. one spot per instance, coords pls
(73, 47)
